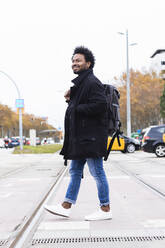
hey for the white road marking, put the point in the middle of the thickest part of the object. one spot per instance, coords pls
(154, 176)
(154, 223)
(80, 225)
(158, 176)
(114, 177)
(5, 195)
(109, 177)
(133, 161)
(29, 179)
(7, 185)
(119, 177)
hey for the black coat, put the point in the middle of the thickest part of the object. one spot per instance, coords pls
(86, 119)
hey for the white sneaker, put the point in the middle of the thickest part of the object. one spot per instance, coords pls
(99, 215)
(58, 210)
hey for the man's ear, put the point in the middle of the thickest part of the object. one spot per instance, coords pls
(88, 64)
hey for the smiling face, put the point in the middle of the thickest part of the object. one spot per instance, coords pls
(79, 63)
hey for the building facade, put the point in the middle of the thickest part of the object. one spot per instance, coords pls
(158, 62)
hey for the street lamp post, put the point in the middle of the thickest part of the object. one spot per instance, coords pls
(128, 90)
(20, 110)
(128, 84)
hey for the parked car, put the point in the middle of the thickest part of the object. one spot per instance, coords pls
(27, 141)
(48, 141)
(44, 141)
(38, 141)
(2, 143)
(7, 141)
(154, 140)
(13, 142)
(129, 145)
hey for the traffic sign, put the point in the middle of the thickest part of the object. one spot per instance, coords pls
(19, 103)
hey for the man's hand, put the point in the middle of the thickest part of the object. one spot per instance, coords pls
(67, 95)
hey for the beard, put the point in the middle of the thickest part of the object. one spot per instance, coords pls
(79, 71)
(76, 72)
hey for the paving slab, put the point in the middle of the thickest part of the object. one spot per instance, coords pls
(137, 211)
(28, 179)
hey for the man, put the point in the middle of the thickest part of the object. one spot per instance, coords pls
(85, 135)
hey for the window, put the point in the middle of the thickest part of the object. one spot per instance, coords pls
(162, 62)
(160, 130)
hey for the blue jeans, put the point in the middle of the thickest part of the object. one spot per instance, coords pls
(96, 170)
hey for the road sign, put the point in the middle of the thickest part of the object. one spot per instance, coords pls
(19, 103)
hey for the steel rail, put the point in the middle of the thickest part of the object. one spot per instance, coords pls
(9, 173)
(29, 226)
(13, 171)
(143, 182)
(143, 159)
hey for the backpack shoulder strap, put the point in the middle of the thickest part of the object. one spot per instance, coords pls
(115, 135)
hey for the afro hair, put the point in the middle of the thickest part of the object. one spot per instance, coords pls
(89, 57)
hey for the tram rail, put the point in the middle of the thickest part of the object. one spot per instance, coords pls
(142, 181)
(25, 232)
(22, 235)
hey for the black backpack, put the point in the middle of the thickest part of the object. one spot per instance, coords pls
(113, 113)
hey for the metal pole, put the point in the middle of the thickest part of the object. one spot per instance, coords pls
(20, 129)
(128, 90)
(20, 110)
